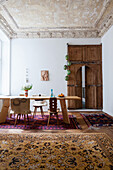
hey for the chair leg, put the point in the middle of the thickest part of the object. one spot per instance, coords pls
(34, 113)
(27, 117)
(25, 120)
(19, 116)
(10, 116)
(42, 113)
(16, 120)
(57, 119)
(49, 119)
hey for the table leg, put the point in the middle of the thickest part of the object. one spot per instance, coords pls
(4, 111)
(64, 111)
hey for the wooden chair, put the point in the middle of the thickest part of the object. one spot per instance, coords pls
(53, 109)
(21, 107)
(39, 104)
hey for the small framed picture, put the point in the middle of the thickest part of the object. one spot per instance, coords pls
(44, 75)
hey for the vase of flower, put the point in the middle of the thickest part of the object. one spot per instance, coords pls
(26, 93)
(27, 87)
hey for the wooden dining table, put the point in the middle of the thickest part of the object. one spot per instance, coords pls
(6, 104)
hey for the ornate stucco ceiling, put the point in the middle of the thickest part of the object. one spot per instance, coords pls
(55, 18)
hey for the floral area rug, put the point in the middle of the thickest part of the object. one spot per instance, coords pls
(41, 123)
(56, 151)
(97, 119)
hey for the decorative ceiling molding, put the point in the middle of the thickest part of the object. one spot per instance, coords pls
(15, 25)
(58, 34)
(11, 17)
(106, 4)
(108, 22)
(3, 2)
(5, 27)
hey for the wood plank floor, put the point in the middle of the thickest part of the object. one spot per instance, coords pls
(85, 129)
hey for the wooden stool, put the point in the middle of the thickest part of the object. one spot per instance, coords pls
(39, 104)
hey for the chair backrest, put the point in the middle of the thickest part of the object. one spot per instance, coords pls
(53, 104)
(20, 105)
(15, 105)
(25, 104)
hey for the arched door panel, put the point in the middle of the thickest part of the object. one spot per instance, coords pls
(74, 86)
(90, 88)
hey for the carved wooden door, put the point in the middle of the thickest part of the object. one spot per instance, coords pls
(91, 57)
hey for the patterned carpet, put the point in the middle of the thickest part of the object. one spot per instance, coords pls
(97, 119)
(56, 151)
(41, 123)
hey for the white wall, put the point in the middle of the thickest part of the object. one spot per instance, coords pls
(107, 53)
(5, 59)
(0, 67)
(4, 65)
(37, 55)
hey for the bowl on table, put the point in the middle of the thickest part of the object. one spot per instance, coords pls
(61, 95)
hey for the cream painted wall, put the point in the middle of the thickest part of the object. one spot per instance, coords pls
(107, 53)
(37, 55)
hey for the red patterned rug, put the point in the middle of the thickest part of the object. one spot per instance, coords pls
(41, 123)
(97, 119)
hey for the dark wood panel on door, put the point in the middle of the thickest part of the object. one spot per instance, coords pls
(71, 92)
(71, 87)
(75, 53)
(78, 87)
(93, 53)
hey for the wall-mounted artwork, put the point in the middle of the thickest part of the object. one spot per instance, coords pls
(44, 75)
